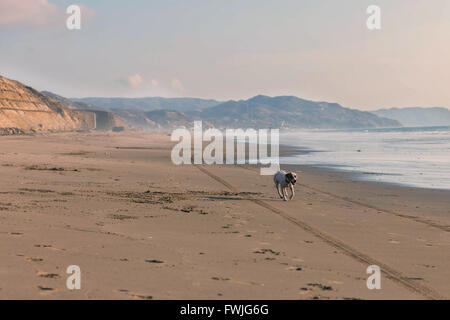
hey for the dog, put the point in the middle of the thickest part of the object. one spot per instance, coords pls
(284, 180)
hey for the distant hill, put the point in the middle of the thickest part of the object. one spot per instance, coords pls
(257, 112)
(170, 118)
(136, 119)
(157, 119)
(290, 112)
(70, 103)
(104, 119)
(417, 117)
(150, 104)
(133, 118)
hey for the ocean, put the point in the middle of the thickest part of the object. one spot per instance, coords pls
(418, 157)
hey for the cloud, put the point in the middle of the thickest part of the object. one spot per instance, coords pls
(132, 81)
(135, 80)
(177, 85)
(35, 12)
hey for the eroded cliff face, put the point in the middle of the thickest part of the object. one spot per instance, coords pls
(23, 109)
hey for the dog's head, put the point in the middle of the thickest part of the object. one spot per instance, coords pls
(291, 177)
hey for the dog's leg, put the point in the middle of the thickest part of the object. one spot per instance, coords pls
(285, 198)
(277, 185)
(292, 191)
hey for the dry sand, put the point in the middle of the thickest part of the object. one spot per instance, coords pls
(141, 228)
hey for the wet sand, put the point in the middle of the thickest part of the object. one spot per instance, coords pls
(141, 228)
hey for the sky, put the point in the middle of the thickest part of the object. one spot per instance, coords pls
(233, 49)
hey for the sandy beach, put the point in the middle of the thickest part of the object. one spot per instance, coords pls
(140, 227)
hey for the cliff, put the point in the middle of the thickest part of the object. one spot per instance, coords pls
(23, 109)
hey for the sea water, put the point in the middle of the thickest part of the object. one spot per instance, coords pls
(418, 156)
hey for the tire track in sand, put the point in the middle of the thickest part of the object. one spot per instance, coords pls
(361, 257)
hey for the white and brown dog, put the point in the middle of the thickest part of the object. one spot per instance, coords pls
(284, 180)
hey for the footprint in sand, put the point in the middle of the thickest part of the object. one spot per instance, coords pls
(321, 286)
(135, 295)
(293, 268)
(264, 251)
(46, 290)
(305, 291)
(48, 246)
(427, 266)
(141, 296)
(31, 259)
(42, 245)
(44, 274)
(154, 261)
(220, 278)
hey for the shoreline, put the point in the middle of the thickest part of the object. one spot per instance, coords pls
(289, 151)
(426, 196)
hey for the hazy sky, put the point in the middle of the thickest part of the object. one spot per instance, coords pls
(233, 49)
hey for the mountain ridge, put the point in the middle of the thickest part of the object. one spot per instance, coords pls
(148, 103)
(417, 116)
(291, 112)
(258, 111)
